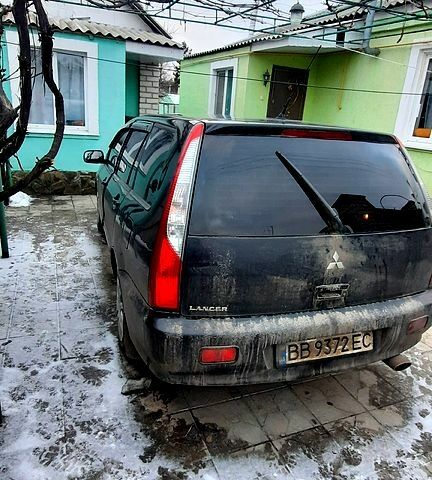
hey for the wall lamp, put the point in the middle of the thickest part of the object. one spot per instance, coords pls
(266, 77)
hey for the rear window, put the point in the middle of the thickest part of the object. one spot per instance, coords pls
(243, 189)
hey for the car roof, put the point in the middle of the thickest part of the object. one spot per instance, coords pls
(220, 124)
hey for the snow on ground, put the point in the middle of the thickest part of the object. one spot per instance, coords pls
(20, 199)
(62, 378)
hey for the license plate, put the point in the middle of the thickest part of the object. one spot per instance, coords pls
(326, 347)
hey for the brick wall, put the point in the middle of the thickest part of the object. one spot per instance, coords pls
(149, 89)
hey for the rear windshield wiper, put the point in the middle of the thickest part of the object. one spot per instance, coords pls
(325, 211)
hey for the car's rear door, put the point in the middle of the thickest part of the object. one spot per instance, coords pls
(143, 204)
(257, 244)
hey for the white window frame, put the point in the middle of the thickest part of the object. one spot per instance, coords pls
(409, 106)
(214, 67)
(91, 83)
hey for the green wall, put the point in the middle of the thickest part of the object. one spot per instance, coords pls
(195, 83)
(334, 95)
(111, 78)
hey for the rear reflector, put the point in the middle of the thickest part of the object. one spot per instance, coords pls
(166, 263)
(218, 355)
(319, 134)
(417, 324)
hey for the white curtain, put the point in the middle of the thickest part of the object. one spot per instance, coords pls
(71, 83)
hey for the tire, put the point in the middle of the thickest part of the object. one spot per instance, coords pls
(125, 342)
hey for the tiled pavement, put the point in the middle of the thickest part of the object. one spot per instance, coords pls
(66, 418)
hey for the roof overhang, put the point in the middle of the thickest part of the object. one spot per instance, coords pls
(305, 41)
(152, 54)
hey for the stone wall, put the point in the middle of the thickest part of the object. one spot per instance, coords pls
(149, 89)
(61, 183)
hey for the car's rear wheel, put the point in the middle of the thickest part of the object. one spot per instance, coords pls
(126, 345)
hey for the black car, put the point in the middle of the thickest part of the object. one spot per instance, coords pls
(261, 251)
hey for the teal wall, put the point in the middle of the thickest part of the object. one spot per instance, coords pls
(111, 78)
(132, 89)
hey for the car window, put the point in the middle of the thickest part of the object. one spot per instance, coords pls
(116, 146)
(152, 162)
(243, 189)
(130, 152)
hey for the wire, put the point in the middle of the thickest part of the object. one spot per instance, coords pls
(298, 35)
(324, 87)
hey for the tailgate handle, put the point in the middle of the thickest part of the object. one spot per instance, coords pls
(334, 291)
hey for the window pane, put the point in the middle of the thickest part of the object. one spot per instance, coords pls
(220, 87)
(130, 152)
(242, 189)
(71, 84)
(228, 94)
(424, 120)
(152, 163)
(42, 107)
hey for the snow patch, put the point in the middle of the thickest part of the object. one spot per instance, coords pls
(20, 199)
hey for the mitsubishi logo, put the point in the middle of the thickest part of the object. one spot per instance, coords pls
(336, 263)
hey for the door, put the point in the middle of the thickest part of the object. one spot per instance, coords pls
(287, 93)
(142, 208)
(140, 215)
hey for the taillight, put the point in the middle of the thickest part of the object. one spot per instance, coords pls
(165, 270)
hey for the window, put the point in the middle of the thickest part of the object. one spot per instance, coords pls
(75, 68)
(242, 189)
(130, 153)
(69, 75)
(414, 120)
(423, 127)
(153, 162)
(116, 146)
(222, 88)
(223, 92)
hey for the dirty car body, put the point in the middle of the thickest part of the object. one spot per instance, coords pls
(264, 251)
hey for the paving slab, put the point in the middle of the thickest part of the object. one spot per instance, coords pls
(368, 388)
(327, 399)
(280, 412)
(229, 426)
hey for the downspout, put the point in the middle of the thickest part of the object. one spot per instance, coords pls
(368, 30)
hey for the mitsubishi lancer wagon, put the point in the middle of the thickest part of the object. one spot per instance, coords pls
(263, 251)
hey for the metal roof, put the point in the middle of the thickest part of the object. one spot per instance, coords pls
(104, 30)
(322, 17)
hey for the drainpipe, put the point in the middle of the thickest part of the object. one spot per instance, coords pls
(368, 30)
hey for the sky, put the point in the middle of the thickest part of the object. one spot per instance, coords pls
(205, 37)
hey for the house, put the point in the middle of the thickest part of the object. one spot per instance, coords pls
(366, 67)
(106, 63)
(169, 103)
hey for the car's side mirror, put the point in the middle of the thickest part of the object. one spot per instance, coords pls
(94, 156)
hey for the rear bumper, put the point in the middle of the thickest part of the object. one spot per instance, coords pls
(174, 343)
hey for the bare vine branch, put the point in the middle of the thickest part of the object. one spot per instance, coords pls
(46, 47)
